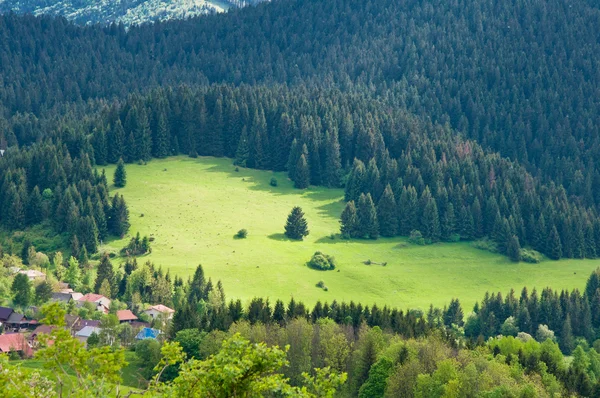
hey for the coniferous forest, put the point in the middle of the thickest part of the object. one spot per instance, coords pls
(442, 121)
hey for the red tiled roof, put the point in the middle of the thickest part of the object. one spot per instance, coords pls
(162, 308)
(16, 342)
(92, 297)
(126, 315)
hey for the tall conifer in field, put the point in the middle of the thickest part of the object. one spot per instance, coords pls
(368, 226)
(513, 249)
(386, 213)
(120, 177)
(349, 221)
(296, 226)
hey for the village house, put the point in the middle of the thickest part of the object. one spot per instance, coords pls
(126, 316)
(86, 332)
(66, 297)
(15, 342)
(33, 274)
(159, 310)
(102, 303)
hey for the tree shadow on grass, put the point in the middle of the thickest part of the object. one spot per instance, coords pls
(281, 237)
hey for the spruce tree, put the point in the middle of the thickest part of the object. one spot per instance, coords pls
(302, 173)
(356, 183)
(116, 142)
(431, 221)
(333, 162)
(120, 177)
(513, 249)
(349, 221)
(296, 226)
(35, 209)
(105, 272)
(368, 226)
(161, 140)
(243, 149)
(567, 342)
(554, 245)
(386, 213)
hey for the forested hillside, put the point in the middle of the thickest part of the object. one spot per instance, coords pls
(398, 86)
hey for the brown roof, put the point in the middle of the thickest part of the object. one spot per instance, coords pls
(161, 308)
(92, 297)
(126, 315)
(15, 342)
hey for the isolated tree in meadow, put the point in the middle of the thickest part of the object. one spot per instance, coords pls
(349, 221)
(21, 290)
(368, 226)
(302, 179)
(386, 213)
(120, 177)
(296, 226)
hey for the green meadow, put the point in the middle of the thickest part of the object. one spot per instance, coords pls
(193, 207)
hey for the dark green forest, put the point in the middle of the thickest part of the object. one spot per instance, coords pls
(459, 119)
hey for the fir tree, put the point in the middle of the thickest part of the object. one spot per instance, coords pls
(161, 140)
(333, 162)
(35, 209)
(567, 342)
(116, 143)
(349, 221)
(120, 176)
(296, 226)
(554, 245)
(357, 181)
(386, 213)
(513, 249)
(431, 221)
(243, 149)
(105, 272)
(368, 226)
(302, 173)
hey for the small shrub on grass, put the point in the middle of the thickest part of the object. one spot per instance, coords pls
(237, 169)
(241, 234)
(321, 262)
(321, 285)
(487, 245)
(137, 246)
(416, 237)
(531, 256)
(273, 182)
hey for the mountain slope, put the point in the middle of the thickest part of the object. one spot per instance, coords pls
(127, 12)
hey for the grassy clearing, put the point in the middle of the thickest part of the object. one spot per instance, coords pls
(193, 208)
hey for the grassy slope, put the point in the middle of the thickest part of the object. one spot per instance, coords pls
(193, 207)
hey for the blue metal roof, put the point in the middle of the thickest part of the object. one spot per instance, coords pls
(147, 333)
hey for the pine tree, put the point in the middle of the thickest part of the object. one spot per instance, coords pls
(431, 221)
(35, 209)
(105, 272)
(333, 162)
(386, 213)
(448, 222)
(118, 222)
(554, 245)
(513, 249)
(567, 342)
(408, 210)
(349, 221)
(357, 181)
(21, 290)
(243, 149)
(368, 226)
(302, 173)
(295, 153)
(116, 143)
(161, 140)
(120, 177)
(296, 226)
(75, 247)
